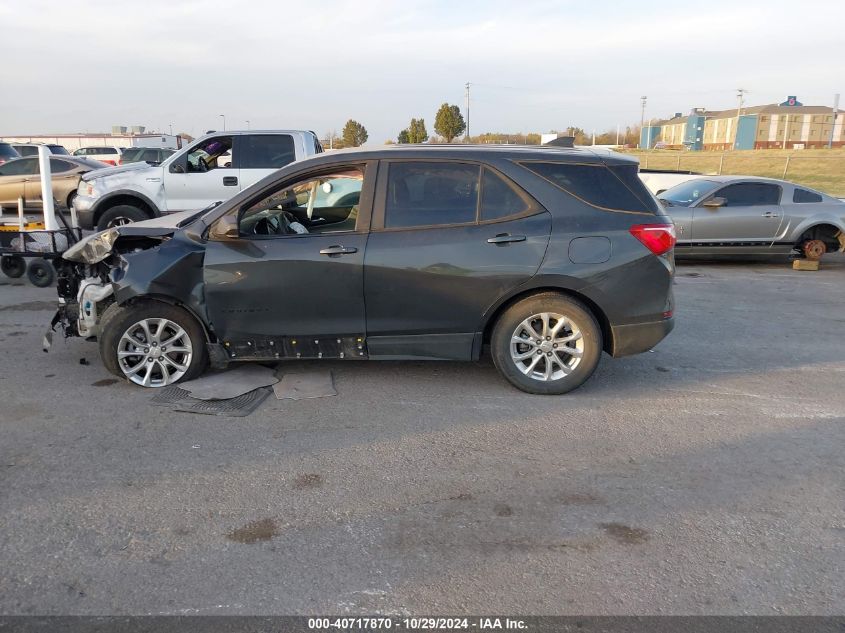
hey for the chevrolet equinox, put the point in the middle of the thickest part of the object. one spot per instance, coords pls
(549, 256)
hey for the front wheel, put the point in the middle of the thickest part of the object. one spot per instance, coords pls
(152, 344)
(120, 215)
(546, 344)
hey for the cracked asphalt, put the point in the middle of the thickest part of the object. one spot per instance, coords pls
(704, 477)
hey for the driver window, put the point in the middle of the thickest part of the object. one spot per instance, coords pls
(327, 203)
(214, 153)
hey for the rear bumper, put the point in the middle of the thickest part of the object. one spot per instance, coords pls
(639, 337)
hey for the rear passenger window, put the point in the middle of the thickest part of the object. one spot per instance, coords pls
(431, 193)
(268, 151)
(58, 166)
(749, 194)
(498, 198)
(594, 184)
(802, 195)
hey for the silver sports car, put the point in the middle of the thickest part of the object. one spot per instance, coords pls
(743, 215)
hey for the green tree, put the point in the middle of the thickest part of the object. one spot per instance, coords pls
(354, 134)
(417, 132)
(403, 137)
(449, 122)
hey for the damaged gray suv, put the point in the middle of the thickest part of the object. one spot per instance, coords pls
(547, 256)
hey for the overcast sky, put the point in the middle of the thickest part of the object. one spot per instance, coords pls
(535, 65)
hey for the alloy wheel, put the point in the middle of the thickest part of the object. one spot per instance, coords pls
(154, 352)
(547, 346)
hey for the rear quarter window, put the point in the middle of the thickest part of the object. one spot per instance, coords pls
(802, 195)
(616, 188)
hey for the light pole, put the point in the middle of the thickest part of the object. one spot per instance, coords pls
(740, 93)
(223, 116)
(642, 121)
(247, 124)
(171, 129)
(466, 136)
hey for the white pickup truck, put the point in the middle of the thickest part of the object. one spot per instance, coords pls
(212, 168)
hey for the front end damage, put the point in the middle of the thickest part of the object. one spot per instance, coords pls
(146, 259)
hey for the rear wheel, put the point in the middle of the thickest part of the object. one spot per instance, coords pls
(546, 344)
(814, 249)
(152, 344)
(120, 215)
(13, 266)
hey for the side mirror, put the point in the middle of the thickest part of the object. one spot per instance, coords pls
(177, 168)
(715, 203)
(226, 228)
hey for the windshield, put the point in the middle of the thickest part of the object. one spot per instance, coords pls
(688, 192)
(198, 214)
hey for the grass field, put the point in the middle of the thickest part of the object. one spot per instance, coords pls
(817, 168)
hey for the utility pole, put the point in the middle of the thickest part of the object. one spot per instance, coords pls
(740, 93)
(247, 124)
(617, 134)
(466, 136)
(642, 122)
(835, 114)
(223, 116)
(171, 129)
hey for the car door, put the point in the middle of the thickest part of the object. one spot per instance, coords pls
(750, 216)
(297, 293)
(197, 178)
(14, 176)
(448, 240)
(262, 154)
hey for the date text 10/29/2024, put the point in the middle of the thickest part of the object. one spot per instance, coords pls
(416, 624)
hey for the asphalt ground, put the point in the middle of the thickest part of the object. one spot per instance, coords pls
(704, 477)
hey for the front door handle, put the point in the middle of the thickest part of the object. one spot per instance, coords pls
(505, 238)
(770, 214)
(230, 181)
(338, 250)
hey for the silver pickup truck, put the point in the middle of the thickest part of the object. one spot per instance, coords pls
(212, 168)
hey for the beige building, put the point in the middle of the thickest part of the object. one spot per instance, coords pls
(788, 125)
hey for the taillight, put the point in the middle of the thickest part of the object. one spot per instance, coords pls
(658, 238)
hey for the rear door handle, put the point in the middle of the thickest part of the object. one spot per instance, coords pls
(770, 214)
(505, 238)
(230, 181)
(338, 250)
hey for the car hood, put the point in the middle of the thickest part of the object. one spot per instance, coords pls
(110, 171)
(95, 247)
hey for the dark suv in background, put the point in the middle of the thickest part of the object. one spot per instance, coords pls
(550, 256)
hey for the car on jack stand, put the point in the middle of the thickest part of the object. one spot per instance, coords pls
(549, 256)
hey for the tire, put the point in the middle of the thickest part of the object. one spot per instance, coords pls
(13, 266)
(119, 322)
(70, 200)
(121, 214)
(40, 273)
(555, 372)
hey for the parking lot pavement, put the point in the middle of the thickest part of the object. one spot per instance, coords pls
(703, 477)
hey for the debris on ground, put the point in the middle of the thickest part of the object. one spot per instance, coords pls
(230, 384)
(178, 399)
(312, 384)
(84, 361)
